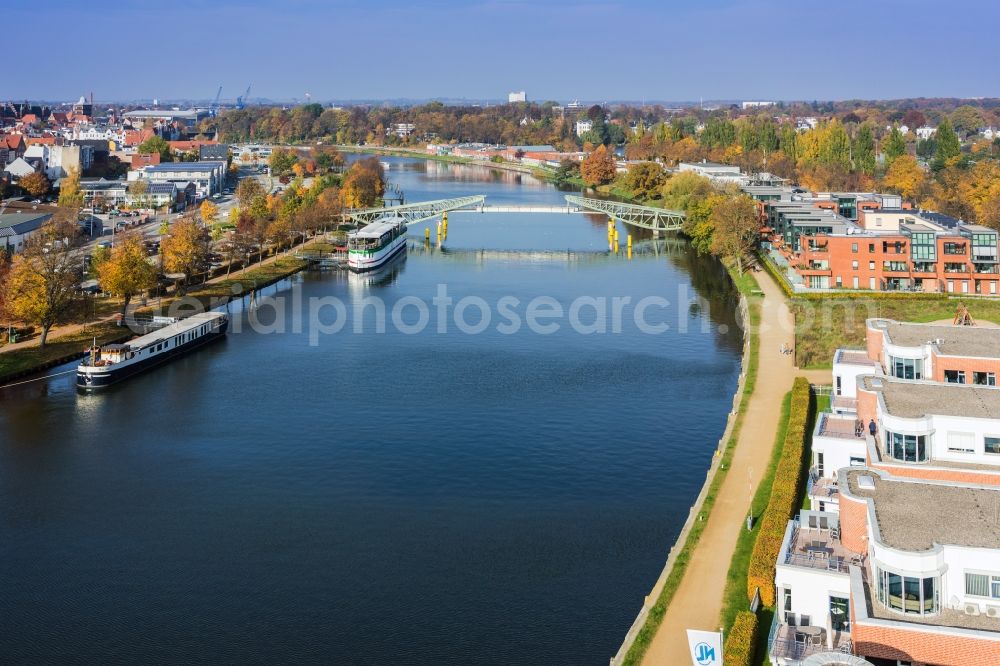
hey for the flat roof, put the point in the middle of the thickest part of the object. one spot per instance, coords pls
(969, 341)
(184, 166)
(176, 328)
(911, 399)
(378, 227)
(915, 515)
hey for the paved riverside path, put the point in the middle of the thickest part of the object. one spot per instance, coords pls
(697, 602)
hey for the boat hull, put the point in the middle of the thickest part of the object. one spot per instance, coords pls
(95, 381)
(362, 263)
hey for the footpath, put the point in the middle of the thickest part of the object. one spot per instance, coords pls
(697, 603)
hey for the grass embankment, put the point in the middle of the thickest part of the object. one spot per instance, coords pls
(24, 361)
(824, 324)
(750, 290)
(828, 320)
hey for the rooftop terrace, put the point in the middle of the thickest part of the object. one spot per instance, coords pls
(970, 341)
(915, 515)
(915, 399)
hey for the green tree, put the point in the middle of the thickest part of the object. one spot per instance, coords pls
(948, 145)
(894, 147)
(864, 150)
(566, 170)
(156, 144)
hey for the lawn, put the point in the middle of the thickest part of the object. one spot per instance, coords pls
(824, 324)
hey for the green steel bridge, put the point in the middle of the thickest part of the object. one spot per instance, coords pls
(645, 217)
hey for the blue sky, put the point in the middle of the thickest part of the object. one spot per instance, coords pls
(553, 49)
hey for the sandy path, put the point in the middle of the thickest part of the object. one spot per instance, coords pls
(698, 600)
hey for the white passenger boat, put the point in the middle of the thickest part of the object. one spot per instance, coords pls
(376, 244)
(105, 365)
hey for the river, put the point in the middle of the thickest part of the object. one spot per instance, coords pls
(451, 490)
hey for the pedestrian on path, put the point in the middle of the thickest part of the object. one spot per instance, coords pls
(872, 428)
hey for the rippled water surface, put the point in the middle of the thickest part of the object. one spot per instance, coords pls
(378, 498)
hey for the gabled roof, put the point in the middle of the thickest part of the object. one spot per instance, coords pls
(14, 224)
(19, 167)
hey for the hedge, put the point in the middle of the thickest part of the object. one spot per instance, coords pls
(741, 641)
(785, 494)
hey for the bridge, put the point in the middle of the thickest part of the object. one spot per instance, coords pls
(415, 212)
(645, 217)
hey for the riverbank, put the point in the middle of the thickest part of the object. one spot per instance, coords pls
(68, 342)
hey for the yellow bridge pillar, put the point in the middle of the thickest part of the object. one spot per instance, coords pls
(628, 244)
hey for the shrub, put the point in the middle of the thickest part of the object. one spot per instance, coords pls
(785, 494)
(741, 641)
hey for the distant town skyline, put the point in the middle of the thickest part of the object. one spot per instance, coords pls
(573, 49)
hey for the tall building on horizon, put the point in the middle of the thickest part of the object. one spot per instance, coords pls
(514, 97)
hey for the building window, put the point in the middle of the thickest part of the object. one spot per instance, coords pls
(871, 248)
(954, 376)
(906, 448)
(854, 247)
(982, 585)
(991, 445)
(906, 368)
(954, 248)
(871, 265)
(907, 594)
(854, 265)
(962, 442)
(984, 378)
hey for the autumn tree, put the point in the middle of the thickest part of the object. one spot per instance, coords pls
(185, 248)
(644, 180)
(70, 194)
(966, 119)
(127, 271)
(905, 177)
(736, 229)
(282, 161)
(209, 212)
(139, 193)
(248, 190)
(156, 144)
(36, 184)
(364, 184)
(598, 167)
(42, 288)
(948, 145)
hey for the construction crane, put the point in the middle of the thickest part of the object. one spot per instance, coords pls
(242, 100)
(214, 109)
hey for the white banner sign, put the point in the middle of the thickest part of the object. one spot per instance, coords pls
(706, 647)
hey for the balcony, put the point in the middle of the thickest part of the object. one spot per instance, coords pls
(822, 489)
(895, 267)
(789, 644)
(832, 425)
(841, 404)
(812, 541)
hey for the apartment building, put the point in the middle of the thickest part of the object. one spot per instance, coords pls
(897, 560)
